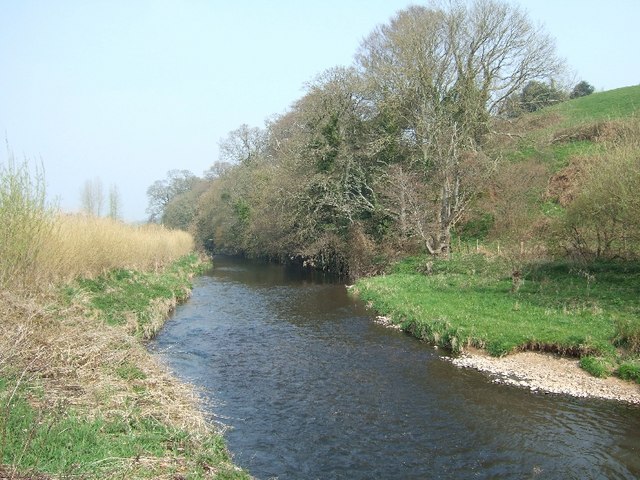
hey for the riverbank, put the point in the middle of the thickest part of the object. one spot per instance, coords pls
(542, 373)
(548, 373)
(586, 314)
(81, 395)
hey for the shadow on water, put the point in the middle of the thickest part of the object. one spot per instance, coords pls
(312, 388)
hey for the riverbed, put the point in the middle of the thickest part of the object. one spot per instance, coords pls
(310, 386)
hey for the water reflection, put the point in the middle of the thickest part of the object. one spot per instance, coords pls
(314, 389)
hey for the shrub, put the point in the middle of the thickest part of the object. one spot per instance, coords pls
(603, 220)
(26, 222)
(536, 95)
(582, 89)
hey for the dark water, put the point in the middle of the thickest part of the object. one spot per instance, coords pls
(312, 388)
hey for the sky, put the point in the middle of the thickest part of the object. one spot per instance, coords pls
(126, 90)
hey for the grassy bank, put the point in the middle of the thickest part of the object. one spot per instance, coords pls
(591, 311)
(79, 393)
(80, 396)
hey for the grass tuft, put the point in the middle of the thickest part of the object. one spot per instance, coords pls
(630, 370)
(596, 366)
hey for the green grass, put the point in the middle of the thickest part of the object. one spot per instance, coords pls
(63, 442)
(612, 104)
(630, 370)
(567, 118)
(468, 301)
(117, 295)
(596, 366)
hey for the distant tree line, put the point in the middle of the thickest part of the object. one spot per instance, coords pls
(92, 199)
(380, 158)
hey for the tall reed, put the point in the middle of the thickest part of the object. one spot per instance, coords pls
(86, 246)
(40, 245)
(26, 222)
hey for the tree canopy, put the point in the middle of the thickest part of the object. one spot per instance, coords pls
(390, 154)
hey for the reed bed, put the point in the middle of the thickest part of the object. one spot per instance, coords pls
(85, 246)
(40, 245)
(79, 393)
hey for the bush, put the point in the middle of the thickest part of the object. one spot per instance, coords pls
(603, 220)
(26, 222)
(537, 95)
(582, 89)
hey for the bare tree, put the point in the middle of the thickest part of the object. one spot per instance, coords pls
(161, 192)
(243, 145)
(114, 202)
(442, 72)
(92, 197)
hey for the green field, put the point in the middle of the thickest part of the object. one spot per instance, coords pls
(590, 311)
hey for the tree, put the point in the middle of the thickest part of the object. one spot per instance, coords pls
(217, 170)
(92, 197)
(161, 192)
(114, 202)
(536, 95)
(442, 73)
(243, 145)
(182, 209)
(582, 89)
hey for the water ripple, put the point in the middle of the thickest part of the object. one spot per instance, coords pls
(312, 388)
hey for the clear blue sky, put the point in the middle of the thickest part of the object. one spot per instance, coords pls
(125, 90)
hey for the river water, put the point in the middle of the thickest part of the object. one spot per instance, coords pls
(312, 388)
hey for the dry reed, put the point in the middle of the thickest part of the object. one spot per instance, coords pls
(72, 358)
(85, 246)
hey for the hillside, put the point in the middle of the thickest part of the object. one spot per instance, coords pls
(554, 165)
(555, 259)
(575, 127)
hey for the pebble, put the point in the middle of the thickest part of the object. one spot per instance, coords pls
(541, 372)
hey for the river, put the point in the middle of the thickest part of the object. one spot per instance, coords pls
(311, 388)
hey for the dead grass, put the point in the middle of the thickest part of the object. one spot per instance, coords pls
(599, 132)
(76, 358)
(72, 361)
(84, 246)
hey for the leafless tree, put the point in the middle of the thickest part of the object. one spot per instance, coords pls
(442, 71)
(92, 197)
(115, 202)
(242, 145)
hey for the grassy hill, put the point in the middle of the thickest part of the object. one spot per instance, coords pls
(609, 105)
(555, 261)
(572, 128)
